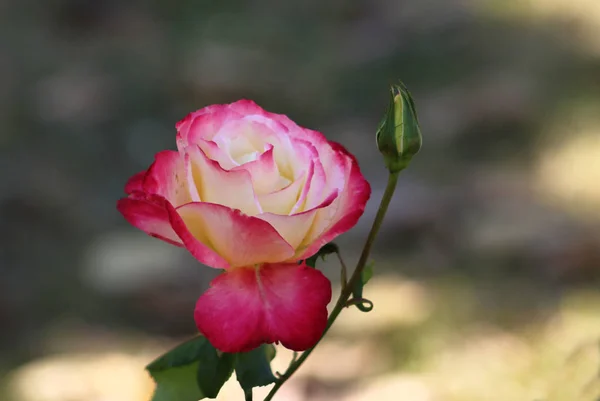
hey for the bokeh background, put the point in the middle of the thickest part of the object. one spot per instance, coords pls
(487, 268)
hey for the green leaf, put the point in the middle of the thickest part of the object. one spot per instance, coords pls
(177, 383)
(270, 351)
(253, 368)
(191, 371)
(175, 372)
(357, 291)
(183, 354)
(213, 371)
(325, 250)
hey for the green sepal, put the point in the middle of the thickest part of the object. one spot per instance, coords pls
(325, 250)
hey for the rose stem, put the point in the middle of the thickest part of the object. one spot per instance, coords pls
(347, 291)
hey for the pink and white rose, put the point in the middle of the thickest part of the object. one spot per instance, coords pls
(252, 193)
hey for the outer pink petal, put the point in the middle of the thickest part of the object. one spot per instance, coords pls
(183, 125)
(316, 138)
(135, 183)
(190, 180)
(204, 124)
(248, 107)
(252, 113)
(246, 307)
(166, 177)
(214, 152)
(196, 242)
(238, 239)
(242, 133)
(330, 175)
(149, 213)
(344, 213)
(216, 185)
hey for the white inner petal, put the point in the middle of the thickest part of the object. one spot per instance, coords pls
(246, 157)
(277, 188)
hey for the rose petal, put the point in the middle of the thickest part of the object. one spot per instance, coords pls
(247, 107)
(239, 239)
(282, 123)
(264, 173)
(330, 165)
(203, 124)
(214, 152)
(310, 176)
(246, 307)
(196, 242)
(267, 128)
(183, 126)
(216, 185)
(294, 228)
(292, 199)
(316, 189)
(344, 212)
(238, 145)
(277, 122)
(330, 176)
(283, 201)
(250, 108)
(166, 177)
(245, 139)
(150, 214)
(305, 161)
(135, 183)
(190, 177)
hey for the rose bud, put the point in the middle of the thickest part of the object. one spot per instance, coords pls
(399, 136)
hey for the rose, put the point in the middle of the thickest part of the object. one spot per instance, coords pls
(252, 193)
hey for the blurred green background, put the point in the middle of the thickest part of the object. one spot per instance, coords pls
(487, 267)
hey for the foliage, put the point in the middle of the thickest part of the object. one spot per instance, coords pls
(195, 370)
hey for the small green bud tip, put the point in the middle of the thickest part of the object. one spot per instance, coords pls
(399, 136)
